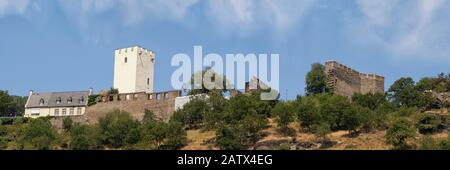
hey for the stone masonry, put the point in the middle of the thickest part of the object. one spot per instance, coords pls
(345, 81)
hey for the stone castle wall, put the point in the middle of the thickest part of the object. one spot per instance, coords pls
(346, 81)
(161, 103)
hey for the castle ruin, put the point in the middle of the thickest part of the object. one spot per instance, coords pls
(345, 81)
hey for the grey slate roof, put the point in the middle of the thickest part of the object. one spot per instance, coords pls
(79, 98)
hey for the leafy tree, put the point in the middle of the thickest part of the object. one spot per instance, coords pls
(370, 100)
(308, 111)
(402, 92)
(214, 115)
(193, 112)
(428, 123)
(176, 135)
(11, 105)
(399, 132)
(84, 137)
(284, 114)
(119, 129)
(316, 80)
(67, 123)
(39, 134)
(229, 138)
(322, 130)
(154, 133)
(216, 80)
(149, 116)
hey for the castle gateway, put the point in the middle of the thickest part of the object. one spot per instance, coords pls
(345, 81)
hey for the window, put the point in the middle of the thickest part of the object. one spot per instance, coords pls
(63, 112)
(81, 100)
(148, 81)
(79, 111)
(166, 96)
(126, 59)
(56, 112)
(153, 60)
(149, 96)
(71, 111)
(69, 100)
(158, 96)
(58, 101)
(41, 102)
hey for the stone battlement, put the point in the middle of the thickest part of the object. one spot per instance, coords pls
(133, 49)
(346, 81)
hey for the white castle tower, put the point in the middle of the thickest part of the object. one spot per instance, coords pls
(133, 70)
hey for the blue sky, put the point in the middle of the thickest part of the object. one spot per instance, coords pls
(64, 45)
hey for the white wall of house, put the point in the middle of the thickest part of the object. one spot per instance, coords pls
(54, 111)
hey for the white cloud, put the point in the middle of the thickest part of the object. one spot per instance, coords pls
(406, 28)
(247, 16)
(18, 7)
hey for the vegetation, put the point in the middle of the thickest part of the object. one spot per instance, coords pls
(11, 105)
(316, 80)
(239, 122)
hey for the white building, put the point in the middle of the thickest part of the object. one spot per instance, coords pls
(133, 70)
(57, 103)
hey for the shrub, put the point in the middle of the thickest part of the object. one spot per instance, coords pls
(67, 124)
(229, 138)
(176, 136)
(149, 116)
(428, 123)
(284, 114)
(399, 132)
(39, 134)
(428, 143)
(84, 137)
(118, 129)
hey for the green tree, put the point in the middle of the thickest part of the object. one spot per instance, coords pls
(39, 134)
(67, 123)
(322, 130)
(154, 133)
(84, 137)
(229, 138)
(316, 80)
(399, 132)
(149, 116)
(428, 123)
(370, 100)
(402, 92)
(284, 113)
(193, 112)
(176, 135)
(308, 111)
(118, 129)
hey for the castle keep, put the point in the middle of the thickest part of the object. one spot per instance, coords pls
(345, 81)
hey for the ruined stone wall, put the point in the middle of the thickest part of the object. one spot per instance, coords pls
(345, 81)
(161, 103)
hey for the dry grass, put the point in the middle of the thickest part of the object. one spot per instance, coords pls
(197, 140)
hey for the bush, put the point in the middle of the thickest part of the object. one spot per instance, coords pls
(39, 134)
(176, 136)
(84, 137)
(399, 132)
(149, 116)
(119, 129)
(428, 123)
(67, 124)
(284, 114)
(154, 133)
(322, 130)
(229, 138)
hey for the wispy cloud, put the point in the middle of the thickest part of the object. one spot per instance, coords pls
(18, 7)
(406, 28)
(248, 16)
